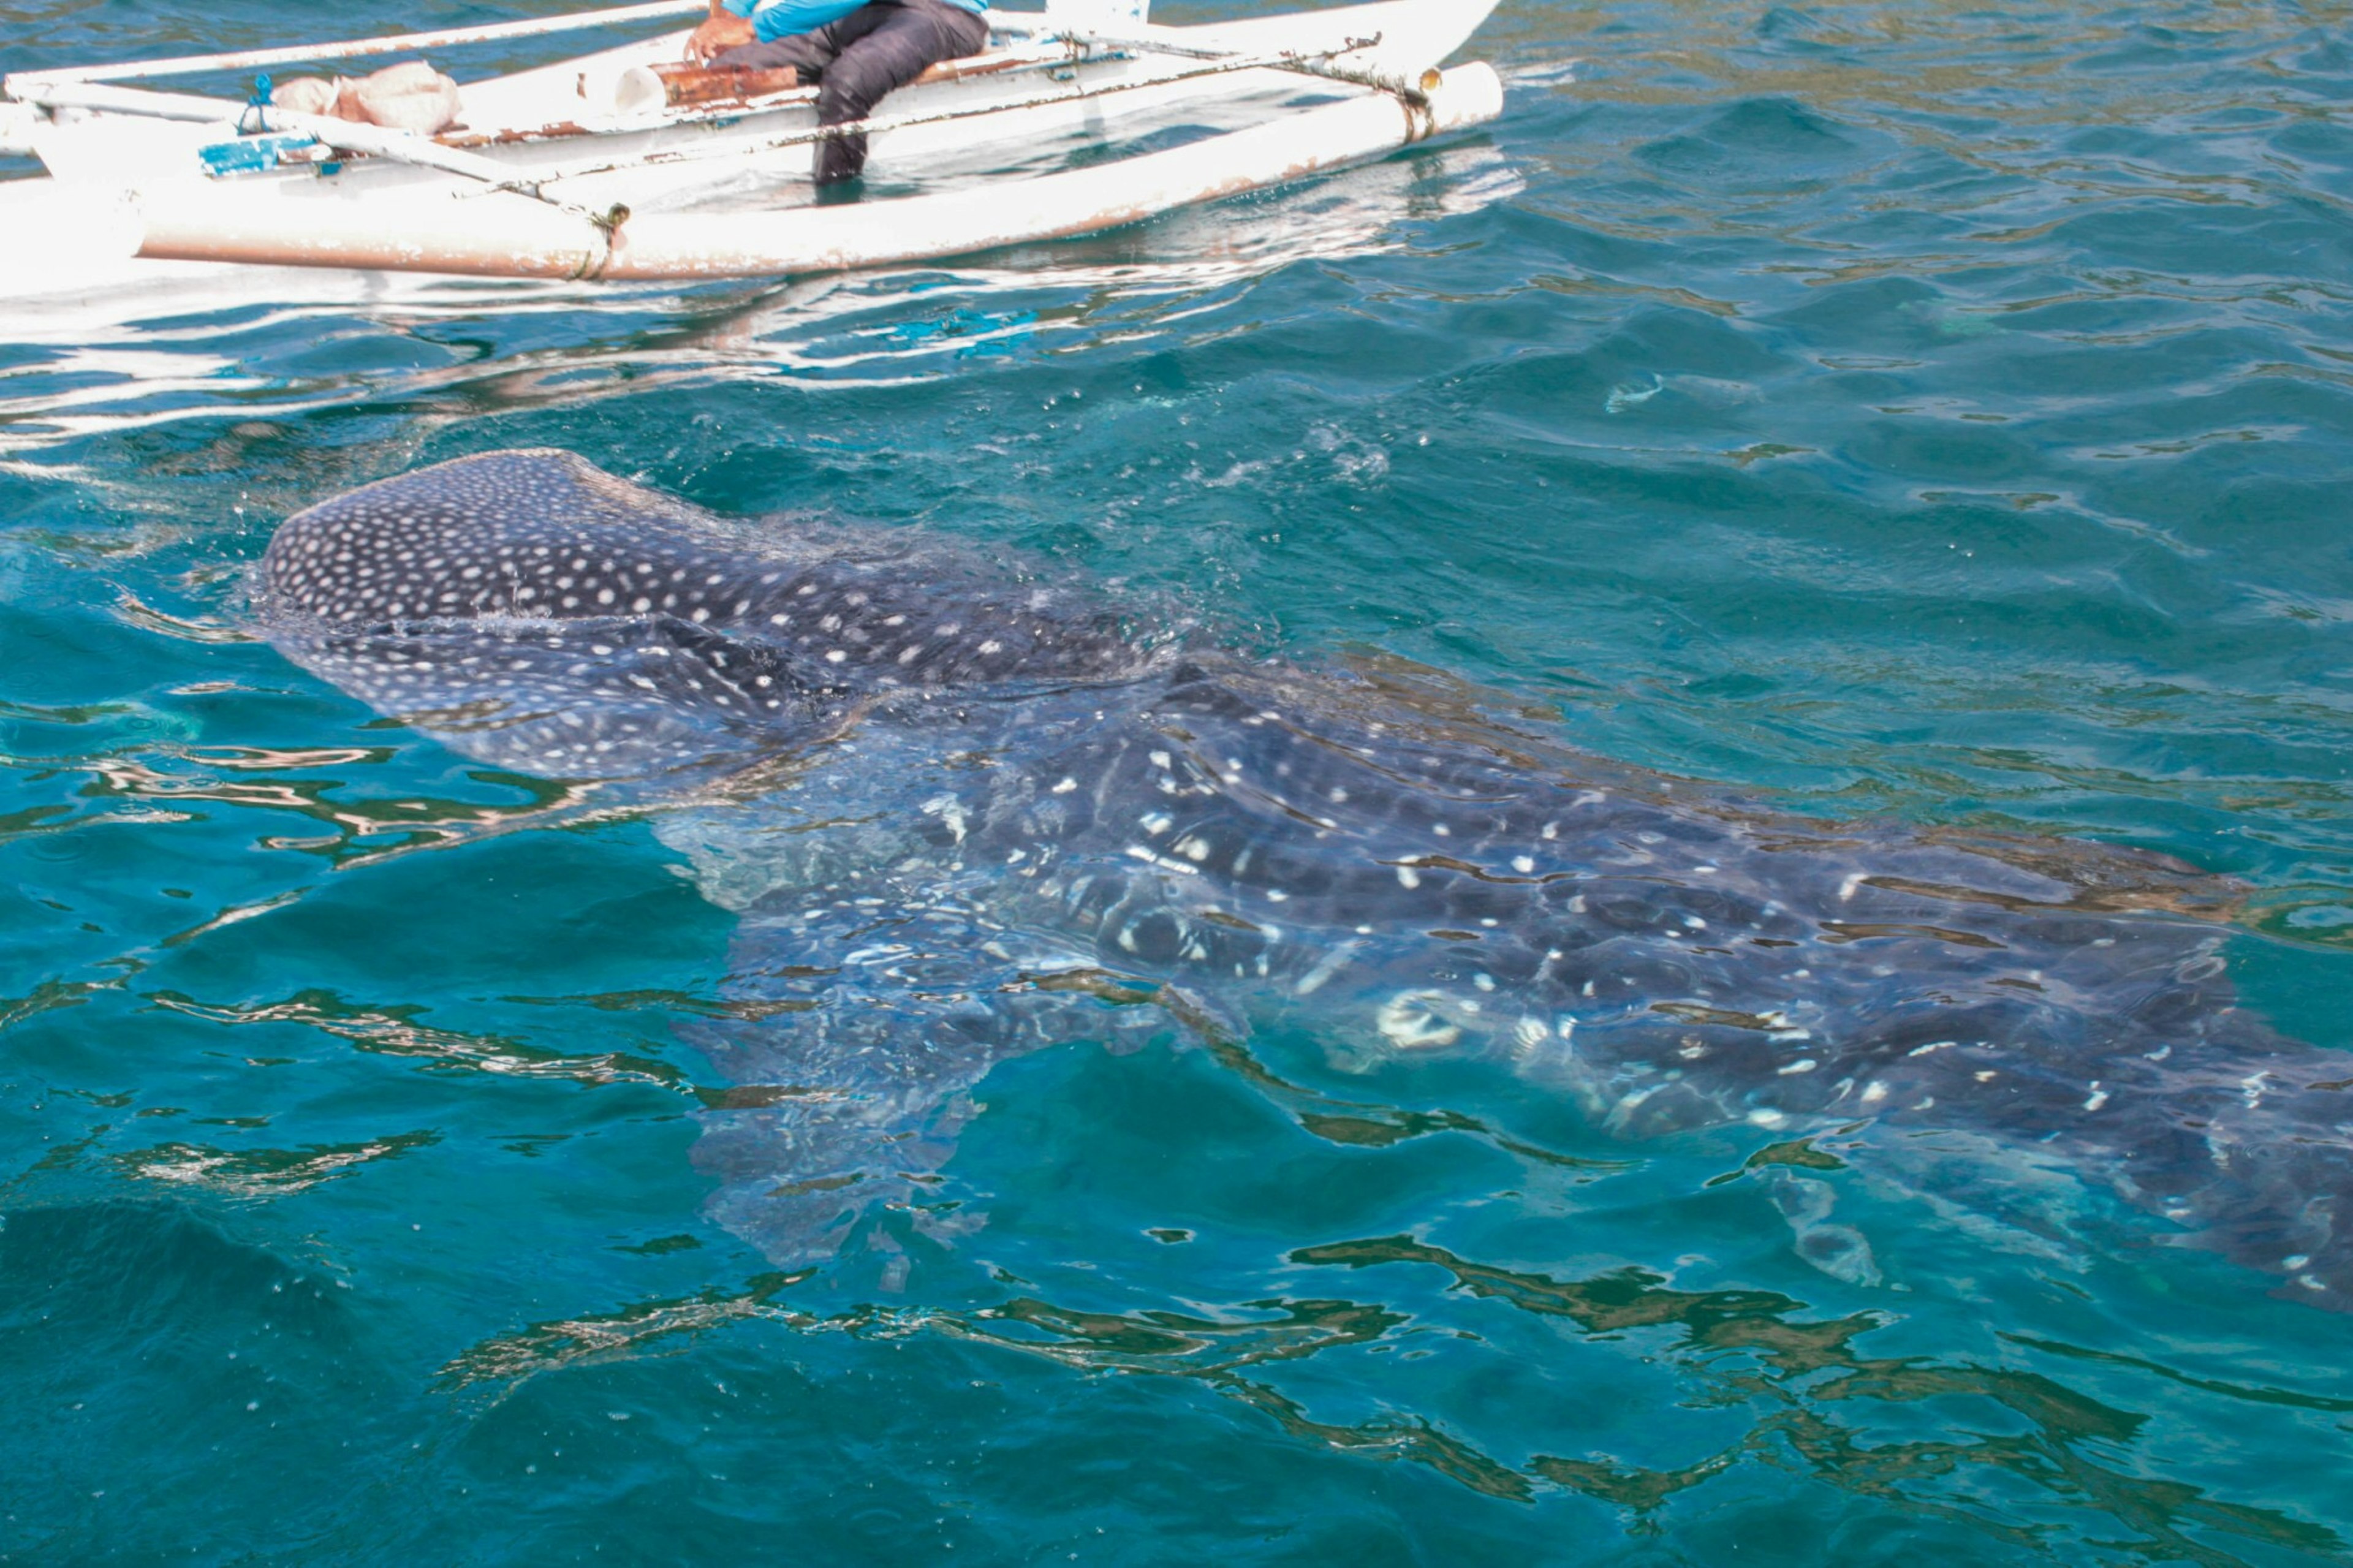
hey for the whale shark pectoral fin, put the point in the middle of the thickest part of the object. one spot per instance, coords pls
(1837, 1249)
(865, 1027)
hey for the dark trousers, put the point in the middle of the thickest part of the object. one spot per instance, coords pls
(857, 60)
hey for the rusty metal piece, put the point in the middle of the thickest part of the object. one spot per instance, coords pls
(684, 85)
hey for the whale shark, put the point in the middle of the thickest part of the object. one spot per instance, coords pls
(965, 807)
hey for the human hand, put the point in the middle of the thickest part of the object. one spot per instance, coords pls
(717, 35)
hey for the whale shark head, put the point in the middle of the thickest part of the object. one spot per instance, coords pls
(544, 615)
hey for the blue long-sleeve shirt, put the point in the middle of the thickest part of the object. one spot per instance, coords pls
(782, 18)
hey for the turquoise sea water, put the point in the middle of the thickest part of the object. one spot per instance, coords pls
(1903, 410)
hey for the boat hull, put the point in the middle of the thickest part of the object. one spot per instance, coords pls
(720, 190)
(513, 236)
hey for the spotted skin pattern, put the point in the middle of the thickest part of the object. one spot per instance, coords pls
(1012, 817)
(533, 580)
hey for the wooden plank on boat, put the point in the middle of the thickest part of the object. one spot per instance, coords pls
(682, 85)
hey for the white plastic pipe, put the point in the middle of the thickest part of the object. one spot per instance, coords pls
(517, 237)
(18, 123)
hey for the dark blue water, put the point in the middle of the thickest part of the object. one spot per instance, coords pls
(1901, 410)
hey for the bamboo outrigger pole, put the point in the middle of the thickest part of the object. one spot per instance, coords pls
(355, 48)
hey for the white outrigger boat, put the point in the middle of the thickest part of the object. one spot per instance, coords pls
(622, 165)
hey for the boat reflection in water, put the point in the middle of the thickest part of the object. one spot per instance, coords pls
(109, 354)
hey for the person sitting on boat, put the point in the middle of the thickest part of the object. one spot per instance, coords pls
(856, 52)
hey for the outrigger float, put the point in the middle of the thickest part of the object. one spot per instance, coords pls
(628, 165)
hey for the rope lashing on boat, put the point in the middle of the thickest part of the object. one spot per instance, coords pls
(1420, 113)
(255, 121)
(608, 225)
(1324, 63)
